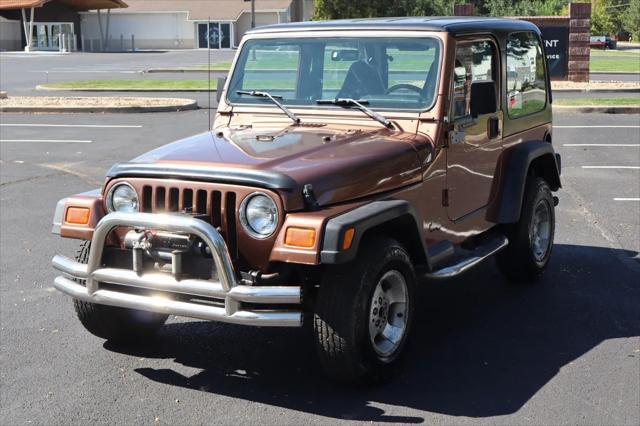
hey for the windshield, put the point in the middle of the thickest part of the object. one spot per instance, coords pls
(388, 73)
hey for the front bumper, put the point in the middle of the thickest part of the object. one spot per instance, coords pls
(172, 295)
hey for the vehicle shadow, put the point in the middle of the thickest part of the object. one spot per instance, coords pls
(479, 347)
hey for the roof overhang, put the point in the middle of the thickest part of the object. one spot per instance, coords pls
(79, 5)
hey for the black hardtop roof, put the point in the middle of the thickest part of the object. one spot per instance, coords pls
(452, 24)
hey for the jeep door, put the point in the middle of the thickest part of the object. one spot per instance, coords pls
(475, 143)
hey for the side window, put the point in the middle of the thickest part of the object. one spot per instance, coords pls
(526, 80)
(475, 61)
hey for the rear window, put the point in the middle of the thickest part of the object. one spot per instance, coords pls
(526, 80)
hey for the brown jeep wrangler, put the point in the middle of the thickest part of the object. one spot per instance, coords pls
(349, 162)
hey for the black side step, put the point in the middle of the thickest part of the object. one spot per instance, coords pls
(471, 259)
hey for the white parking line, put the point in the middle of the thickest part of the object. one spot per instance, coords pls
(603, 144)
(626, 199)
(598, 127)
(43, 141)
(93, 126)
(612, 167)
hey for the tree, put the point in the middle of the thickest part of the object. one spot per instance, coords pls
(523, 7)
(346, 9)
(607, 15)
(601, 18)
(631, 19)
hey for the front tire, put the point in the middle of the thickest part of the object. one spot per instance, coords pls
(531, 238)
(111, 322)
(364, 311)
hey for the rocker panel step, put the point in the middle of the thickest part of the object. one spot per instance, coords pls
(474, 257)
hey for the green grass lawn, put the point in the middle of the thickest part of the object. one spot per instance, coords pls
(614, 61)
(601, 52)
(134, 84)
(630, 101)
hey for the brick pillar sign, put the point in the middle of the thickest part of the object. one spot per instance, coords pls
(463, 10)
(579, 34)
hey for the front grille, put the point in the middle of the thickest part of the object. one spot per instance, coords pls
(218, 206)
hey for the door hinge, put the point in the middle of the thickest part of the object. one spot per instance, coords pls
(445, 197)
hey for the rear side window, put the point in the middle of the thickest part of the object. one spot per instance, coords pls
(526, 80)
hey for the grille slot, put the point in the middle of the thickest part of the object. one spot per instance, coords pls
(174, 198)
(201, 202)
(230, 211)
(218, 206)
(147, 198)
(160, 199)
(187, 199)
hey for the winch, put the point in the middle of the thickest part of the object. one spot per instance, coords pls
(162, 246)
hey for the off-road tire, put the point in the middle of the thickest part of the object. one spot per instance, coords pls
(517, 261)
(114, 323)
(343, 307)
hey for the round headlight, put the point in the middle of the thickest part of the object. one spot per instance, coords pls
(259, 215)
(122, 198)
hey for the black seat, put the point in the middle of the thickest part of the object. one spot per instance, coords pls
(428, 89)
(362, 80)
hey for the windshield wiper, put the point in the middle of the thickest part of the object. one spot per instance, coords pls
(274, 99)
(348, 102)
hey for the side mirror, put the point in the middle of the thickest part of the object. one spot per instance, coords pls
(483, 98)
(220, 88)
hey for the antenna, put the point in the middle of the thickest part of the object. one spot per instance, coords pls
(209, 71)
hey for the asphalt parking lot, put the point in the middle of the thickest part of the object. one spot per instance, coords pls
(564, 351)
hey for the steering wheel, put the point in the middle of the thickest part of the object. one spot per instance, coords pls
(404, 86)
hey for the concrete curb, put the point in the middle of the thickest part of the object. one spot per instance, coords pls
(124, 109)
(141, 90)
(597, 109)
(624, 90)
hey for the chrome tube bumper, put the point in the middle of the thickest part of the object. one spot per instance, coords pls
(225, 287)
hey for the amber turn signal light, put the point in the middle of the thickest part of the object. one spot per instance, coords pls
(300, 237)
(77, 215)
(348, 238)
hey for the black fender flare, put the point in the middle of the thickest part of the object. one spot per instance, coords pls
(511, 177)
(363, 219)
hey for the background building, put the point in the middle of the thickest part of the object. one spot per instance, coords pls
(186, 24)
(11, 34)
(48, 21)
(113, 25)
